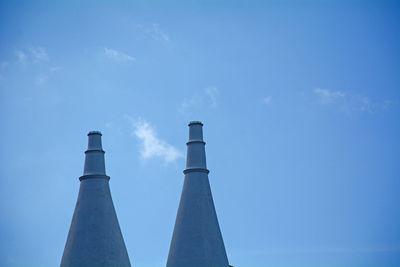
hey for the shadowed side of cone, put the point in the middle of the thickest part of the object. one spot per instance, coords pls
(95, 237)
(197, 239)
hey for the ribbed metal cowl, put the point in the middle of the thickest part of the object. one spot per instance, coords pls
(197, 239)
(95, 238)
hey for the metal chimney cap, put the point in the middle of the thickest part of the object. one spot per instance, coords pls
(195, 122)
(94, 132)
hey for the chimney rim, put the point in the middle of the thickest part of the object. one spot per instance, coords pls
(94, 132)
(195, 122)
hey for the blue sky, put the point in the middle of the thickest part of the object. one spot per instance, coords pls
(300, 104)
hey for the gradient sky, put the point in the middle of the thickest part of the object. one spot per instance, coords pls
(300, 103)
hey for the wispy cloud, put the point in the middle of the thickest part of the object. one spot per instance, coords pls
(349, 102)
(40, 80)
(328, 96)
(154, 31)
(200, 102)
(213, 94)
(21, 57)
(368, 105)
(55, 68)
(32, 54)
(188, 104)
(117, 55)
(39, 54)
(150, 144)
(266, 100)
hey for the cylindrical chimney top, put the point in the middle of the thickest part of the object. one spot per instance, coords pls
(94, 159)
(196, 154)
(195, 131)
(94, 141)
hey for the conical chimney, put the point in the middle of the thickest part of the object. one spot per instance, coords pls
(197, 239)
(94, 238)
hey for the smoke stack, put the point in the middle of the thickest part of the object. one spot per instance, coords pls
(94, 238)
(197, 239)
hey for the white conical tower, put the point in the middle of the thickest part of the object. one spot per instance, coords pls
(95, 238)
(197, 239)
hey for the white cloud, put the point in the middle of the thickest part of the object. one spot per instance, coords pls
(34, 58)
(350, 102)
(199, 102)
(151, 144)
(39, 54)
(154, 31)
(21, 57)
(54, 69)
(40, 80)
(266, 100)
(386, 104)
(190, 103)
(212, 93)
(328, 96)
(364, 103)
(117, 55)
(36, 55)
